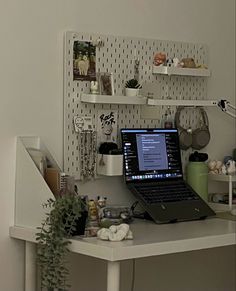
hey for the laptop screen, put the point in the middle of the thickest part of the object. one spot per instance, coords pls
(151, 154)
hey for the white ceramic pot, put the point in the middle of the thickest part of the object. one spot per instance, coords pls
(131, 92)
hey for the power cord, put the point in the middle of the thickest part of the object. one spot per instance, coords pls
(137, 214)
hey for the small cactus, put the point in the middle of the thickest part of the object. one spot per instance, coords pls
(132, 83)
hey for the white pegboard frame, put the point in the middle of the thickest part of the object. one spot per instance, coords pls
(117, 56)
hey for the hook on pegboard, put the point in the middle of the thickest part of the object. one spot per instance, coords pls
(98, 42)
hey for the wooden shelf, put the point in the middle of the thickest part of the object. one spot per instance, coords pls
(102, 99)
(164, 70)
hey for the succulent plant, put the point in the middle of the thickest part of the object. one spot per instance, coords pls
(132, 83)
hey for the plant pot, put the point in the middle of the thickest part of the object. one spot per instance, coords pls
(80, 224)
(131, 92)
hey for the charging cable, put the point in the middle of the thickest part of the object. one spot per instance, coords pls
(136, 214)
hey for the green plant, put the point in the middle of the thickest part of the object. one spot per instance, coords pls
(132, 83)
(53, 240)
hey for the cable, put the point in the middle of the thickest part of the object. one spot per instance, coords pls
(136, 214)
(133, 275)
(133, 206)
(226, 107)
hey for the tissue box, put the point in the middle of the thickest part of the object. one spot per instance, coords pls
(110, 165)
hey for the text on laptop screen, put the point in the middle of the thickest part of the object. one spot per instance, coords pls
(151, 154)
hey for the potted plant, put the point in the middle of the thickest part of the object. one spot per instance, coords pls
(66, 213)
(132, 87)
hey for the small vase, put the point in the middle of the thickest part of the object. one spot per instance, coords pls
(131, 92)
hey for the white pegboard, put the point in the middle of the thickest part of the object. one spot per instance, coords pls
(117, 56)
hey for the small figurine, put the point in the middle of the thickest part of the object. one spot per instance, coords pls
(169, 62)
(101, 203)
(188, 63)
(215, 167)
(176, 62)
(159, 59)
(92, 210)
(94, 87)
(229, 168)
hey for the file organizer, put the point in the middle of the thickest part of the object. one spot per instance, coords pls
(31, 189)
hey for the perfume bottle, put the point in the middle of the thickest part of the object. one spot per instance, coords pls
(168, 120)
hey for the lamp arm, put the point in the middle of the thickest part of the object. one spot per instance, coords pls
(225, 106)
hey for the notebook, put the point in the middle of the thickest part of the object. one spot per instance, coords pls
(153, 173)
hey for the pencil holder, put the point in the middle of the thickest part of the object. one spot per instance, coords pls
(110, 165)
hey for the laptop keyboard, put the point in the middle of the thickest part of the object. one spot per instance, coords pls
(166, 192)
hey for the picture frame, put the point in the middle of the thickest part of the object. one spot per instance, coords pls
(84, 61)
(106, 83)
(107, 122)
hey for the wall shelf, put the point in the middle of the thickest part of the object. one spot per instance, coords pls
(164, 70)
(222, 178)
(171, 102)
(140, 100)
(102, 99)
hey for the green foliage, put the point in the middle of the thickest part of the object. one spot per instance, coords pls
(53, 240)
(132, 83)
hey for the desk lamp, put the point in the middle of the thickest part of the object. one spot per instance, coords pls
(226, 107)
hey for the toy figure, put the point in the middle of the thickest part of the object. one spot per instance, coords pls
(94, 87)
(229, 168)
(160, 59)
(215, 167)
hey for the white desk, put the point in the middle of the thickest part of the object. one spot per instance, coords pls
(149, 240)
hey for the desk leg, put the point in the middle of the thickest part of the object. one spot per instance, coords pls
(113, 276)
(30, 266)
(230, 193)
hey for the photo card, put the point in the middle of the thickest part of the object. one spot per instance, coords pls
(106, 126)
(106, 83)
(84, 61)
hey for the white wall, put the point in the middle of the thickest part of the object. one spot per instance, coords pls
(31, 75)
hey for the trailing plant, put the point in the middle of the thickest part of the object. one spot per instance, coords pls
(53, 240)
(132, 83)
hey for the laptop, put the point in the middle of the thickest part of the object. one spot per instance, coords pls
(153, 173)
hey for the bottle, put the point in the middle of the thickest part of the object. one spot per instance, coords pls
(167, 121)
(67, 184)
(92, 224)
(197, 178)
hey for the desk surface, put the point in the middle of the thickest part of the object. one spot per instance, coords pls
(150, 239)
